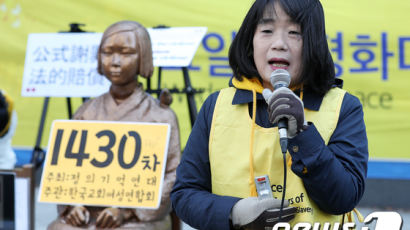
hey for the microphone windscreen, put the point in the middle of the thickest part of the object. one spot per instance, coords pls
(280, 78)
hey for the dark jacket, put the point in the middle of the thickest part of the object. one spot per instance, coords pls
(336, 172)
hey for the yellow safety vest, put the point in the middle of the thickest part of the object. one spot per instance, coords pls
(229, 153)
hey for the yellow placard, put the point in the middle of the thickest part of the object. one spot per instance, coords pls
(105, 163)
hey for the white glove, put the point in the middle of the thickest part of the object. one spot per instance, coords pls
(283, 103)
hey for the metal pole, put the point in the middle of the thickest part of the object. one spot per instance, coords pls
(159, 81)
(37, 151)
(190, 96)
(70, 111)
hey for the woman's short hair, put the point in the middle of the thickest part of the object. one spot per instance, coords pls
(318, 71)
(145, 66)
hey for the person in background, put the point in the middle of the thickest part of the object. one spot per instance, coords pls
(235, 137)
(125, 53)
(8, 124)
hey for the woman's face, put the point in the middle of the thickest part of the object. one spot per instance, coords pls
(277, 44)
(119, 58)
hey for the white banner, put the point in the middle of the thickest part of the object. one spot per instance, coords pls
(65, 64)
(175, 47)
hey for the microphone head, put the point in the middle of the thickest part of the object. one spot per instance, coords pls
(280, 78)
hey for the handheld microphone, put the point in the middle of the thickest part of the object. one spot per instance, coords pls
(281, 78)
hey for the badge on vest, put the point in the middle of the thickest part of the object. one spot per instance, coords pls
(263, 187)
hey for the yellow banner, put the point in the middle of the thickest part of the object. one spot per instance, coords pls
(366, 38)
(105, 163)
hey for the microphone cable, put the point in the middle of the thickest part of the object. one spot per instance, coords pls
(284, 180)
